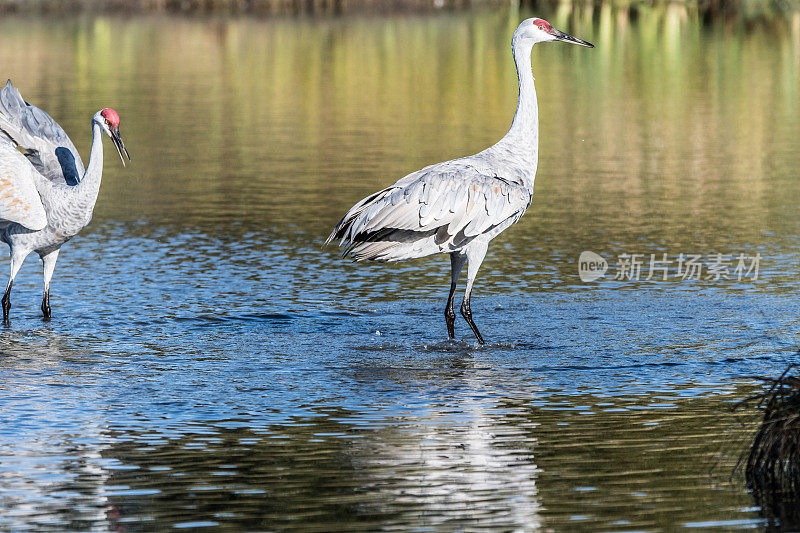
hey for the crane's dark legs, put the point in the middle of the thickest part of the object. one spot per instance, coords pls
(48, 266)
(476, 251)
(46, 305)
(456, 264)
(16, 262)
(7, 303)
(466, 312)
(450, 314)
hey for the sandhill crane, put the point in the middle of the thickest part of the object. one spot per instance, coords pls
(46, 196)
(458, 206)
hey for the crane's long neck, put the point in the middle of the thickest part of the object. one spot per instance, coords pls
(525, 127)
(89, 186)
(521, 143)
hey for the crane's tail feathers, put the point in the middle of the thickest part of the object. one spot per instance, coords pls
(391, 251)
(386, 243)
(383, 244)
(366, 233)
(343, 230)
(389, 244)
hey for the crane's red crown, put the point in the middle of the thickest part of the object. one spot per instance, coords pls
(543, 25)
(111, 116)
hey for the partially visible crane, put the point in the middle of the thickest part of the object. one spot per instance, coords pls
(46, 195)
(458, 206)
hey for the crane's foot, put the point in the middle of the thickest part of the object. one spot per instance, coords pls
(46, 306)
(466, 312)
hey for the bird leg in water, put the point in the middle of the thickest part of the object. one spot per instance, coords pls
(46, 305)
(475, 254)
(466, 312)
(456, 264)
(7, 303)
(48, 266)
(16, 262)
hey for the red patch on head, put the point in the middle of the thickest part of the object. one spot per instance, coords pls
(543, 25)
(111, 116)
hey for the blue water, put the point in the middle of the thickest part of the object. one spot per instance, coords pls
(214, 387)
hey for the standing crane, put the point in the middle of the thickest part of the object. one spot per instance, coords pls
(458, 206)
(46, 195)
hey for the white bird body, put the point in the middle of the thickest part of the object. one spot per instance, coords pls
(46, 196)
(458, 206)
(50, 213)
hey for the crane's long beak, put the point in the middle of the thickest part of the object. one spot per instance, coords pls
(567, 38)
(120, 146)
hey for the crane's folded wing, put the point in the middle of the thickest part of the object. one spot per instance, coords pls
(19, 200)
(436, 212)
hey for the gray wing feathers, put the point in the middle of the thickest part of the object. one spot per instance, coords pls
(46, 145)
(19, 199)
(436, 212)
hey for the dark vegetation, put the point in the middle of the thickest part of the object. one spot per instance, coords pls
(772, 465)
